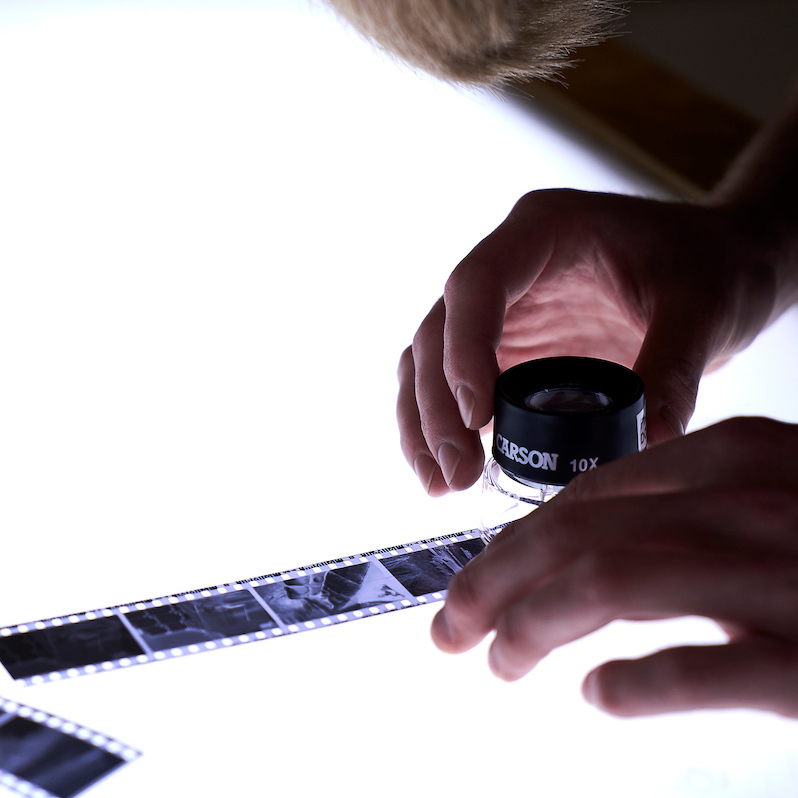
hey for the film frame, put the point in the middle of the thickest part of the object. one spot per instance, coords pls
(262, 608)
(44, 756)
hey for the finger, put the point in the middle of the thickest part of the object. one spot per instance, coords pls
(612, 585)
(731, 454)
(696, 460)
(475, 307)
(456, 449)
(755, 673)
(521, 558)
(672, 359)
(414, 446)
(499, 270)
(536, 549)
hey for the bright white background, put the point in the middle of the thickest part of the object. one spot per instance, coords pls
(220, 224)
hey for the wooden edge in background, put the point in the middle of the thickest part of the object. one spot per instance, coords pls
(661, 123)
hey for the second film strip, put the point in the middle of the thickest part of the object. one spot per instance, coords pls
(232, 614)
(45, 756)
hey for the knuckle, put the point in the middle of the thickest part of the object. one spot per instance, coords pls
(514, 632)
(430, 328)
(464, 598)
(528, 204)
(677, 378)
(550, 198)
(745, 436)
(756, 446)
(474, 292)
(769, 507)
(584, 487)
(685, 375)
(510, 533)
(421, 339)
(457, 281)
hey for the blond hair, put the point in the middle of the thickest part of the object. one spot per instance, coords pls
(482, 42)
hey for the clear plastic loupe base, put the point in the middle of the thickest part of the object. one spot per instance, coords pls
(505, 499)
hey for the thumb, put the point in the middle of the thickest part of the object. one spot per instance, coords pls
(672, 359)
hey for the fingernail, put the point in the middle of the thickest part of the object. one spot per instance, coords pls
(672, 421)
(590, 688)
(425, 466)
(465, 403)
(448, 460)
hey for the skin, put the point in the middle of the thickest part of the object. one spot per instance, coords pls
(704, 524)
(626, 279)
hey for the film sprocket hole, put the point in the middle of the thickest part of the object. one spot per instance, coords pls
(554, 419)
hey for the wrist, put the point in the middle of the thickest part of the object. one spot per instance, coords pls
(770, 231)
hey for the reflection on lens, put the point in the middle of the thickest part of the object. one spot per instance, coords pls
(570, 399)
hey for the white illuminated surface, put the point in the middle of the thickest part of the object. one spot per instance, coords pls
(221, 224)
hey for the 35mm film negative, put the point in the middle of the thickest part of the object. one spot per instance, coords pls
(262, 608)
(44, 756)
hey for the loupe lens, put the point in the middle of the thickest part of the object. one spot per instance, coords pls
(567, 399)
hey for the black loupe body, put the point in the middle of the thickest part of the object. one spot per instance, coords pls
(554, 419)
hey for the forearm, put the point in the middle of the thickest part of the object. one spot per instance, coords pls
(762, 187)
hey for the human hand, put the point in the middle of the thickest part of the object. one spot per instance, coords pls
(705, 525)
(667, 289)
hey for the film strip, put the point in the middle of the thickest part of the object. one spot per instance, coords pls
(44, 756)
(263, 608)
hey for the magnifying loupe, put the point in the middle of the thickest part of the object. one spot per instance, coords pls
(554, 419)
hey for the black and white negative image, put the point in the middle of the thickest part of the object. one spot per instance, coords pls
(280, 604)
(58, 648)
(201, 620)
(51, 759)
(342, 590)
(430, 570)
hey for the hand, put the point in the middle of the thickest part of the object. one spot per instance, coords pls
(668, 289)
(705, 525)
